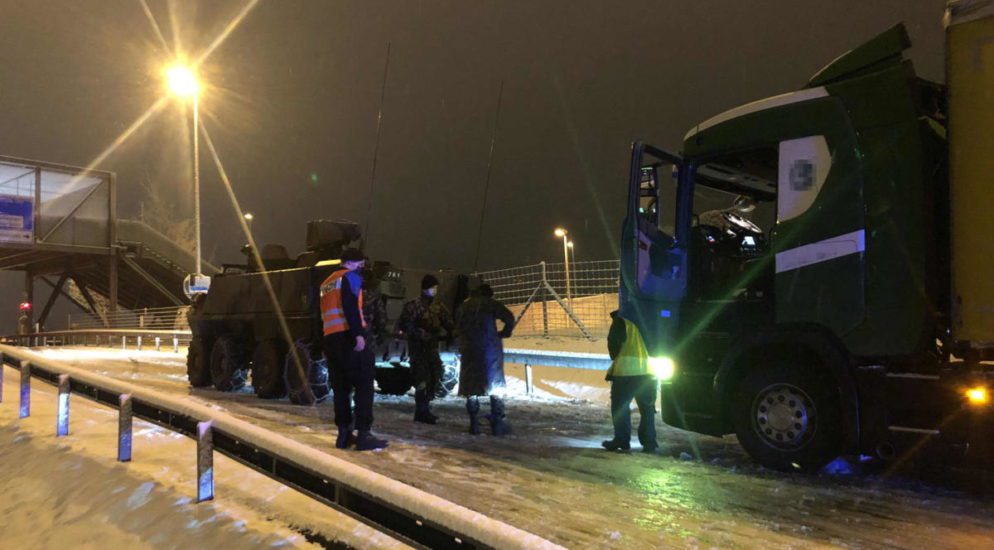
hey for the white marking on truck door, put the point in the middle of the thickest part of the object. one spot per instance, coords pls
(821, 251)
(803, 167)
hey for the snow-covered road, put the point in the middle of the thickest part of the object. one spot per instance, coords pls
(551, 477)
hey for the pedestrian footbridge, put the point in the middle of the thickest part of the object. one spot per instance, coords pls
(59, 225)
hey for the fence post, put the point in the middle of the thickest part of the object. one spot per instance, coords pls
(124, 342)
(175, 344)
(138, 339)
(1, 377)
(62, 416)
(545, 308)
(529, 379)
(25, 389)
(205, 462)
(158, 343)
(124, 429)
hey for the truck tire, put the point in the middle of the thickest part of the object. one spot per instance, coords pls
(198, 369)
(267, 369)
(787, 416)
(228, 365)
(313, 387)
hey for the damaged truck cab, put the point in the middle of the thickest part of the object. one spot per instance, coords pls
(818, 314)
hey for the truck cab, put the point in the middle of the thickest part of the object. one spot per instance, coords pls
(790, 270)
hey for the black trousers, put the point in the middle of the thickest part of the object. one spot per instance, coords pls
(350, 373)
(426, 367)
(643, 390)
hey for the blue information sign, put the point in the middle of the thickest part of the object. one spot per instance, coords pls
(16, 219)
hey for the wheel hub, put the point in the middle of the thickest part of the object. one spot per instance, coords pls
(783, 416)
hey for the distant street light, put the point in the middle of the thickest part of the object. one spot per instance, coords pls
(562, 233)
(182, 82)
(248, 219)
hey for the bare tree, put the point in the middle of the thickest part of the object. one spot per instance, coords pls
(161, 213)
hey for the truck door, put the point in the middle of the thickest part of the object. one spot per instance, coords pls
(653, 262)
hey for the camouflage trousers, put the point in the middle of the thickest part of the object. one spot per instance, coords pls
(426, 367)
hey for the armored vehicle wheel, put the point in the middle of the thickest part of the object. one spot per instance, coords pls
(787, 417)
(394, 381)
(307, 384)
(267, 369)
(450, 377)
(198, 362)
(228, 365)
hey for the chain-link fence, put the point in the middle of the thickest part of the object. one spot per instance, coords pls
(548, 302)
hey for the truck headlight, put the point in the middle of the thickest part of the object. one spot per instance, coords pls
(663, 368)
(978, 396)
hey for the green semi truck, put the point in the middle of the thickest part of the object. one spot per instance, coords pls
(843, 302)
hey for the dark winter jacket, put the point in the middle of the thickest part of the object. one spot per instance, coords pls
(481, 352)
(615, 335)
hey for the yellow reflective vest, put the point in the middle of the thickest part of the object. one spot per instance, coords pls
(633, 359)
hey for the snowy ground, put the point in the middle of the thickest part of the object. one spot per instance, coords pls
(71, 492)
(551, 478)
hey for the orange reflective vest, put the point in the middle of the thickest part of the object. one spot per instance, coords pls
(332, 314)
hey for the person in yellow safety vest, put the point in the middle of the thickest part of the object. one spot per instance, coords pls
(351, 365)
(630, 378)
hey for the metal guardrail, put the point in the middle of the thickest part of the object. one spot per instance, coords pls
(159, 318)
(99, 337)
(407, 513)
(565, 359)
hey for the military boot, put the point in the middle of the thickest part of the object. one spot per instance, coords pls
(366, 441)
(498, 426)
(473, 408)
(345, 437)
(422, 411)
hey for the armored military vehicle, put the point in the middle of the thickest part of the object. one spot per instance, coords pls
(260, 322)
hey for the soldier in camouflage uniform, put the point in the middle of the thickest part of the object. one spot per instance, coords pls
(374, 309)
(424, 321)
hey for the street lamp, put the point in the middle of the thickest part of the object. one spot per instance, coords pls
(562, 233)
(182, 82)
(248, 219)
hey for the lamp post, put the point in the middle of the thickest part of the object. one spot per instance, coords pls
(182, 83)
(248, 219)
(560, 232)
(572, 257)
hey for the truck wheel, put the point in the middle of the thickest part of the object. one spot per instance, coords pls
(788, 417)
(197, 362)
(311, 385)
(267, 369)
(228, 365)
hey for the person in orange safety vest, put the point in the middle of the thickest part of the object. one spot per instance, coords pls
(351, 365)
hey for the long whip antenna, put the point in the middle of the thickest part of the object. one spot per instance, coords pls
(376, 148)
(486, 183)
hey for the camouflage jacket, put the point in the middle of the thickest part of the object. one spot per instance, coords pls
(374, 311)
(425, 319)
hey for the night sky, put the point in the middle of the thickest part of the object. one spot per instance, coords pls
(294, 93)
